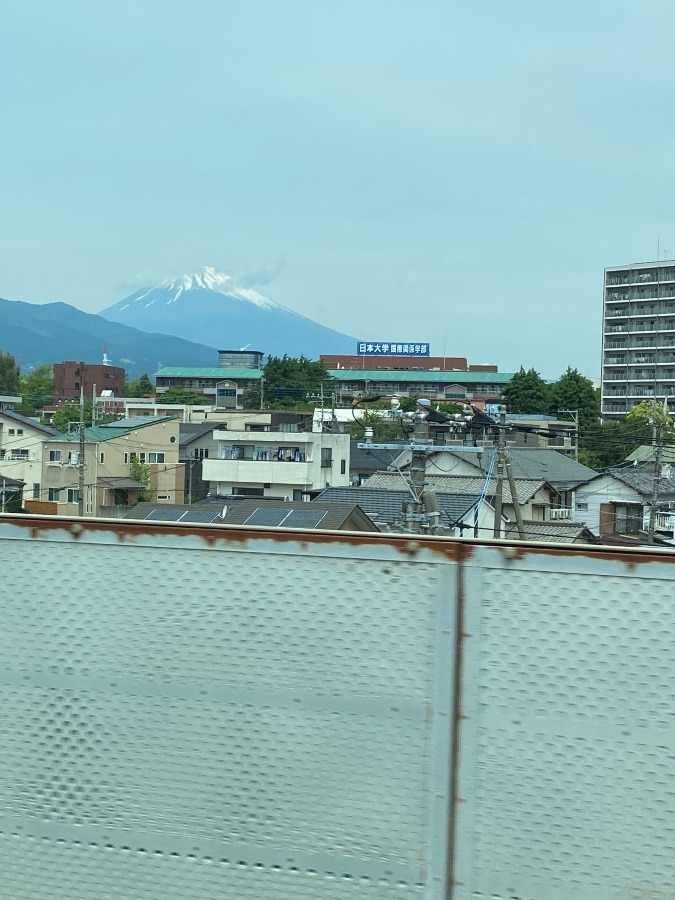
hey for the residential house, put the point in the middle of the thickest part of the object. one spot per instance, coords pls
(21, 443)
(461, 515)
(9, 401)
(618, 502)
(276, 463)
(554, 532)
(534, 495)
(562, 473)
(365, 462)
(110, 454)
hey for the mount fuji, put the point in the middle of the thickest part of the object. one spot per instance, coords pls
(210, 308)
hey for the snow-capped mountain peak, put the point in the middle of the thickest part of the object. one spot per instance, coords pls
(209, 279)
(211, 307)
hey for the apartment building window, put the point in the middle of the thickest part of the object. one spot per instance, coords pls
(73, 458)
(54, 456)
(36, 490)
(343, 467)
(155, 458)
(19, 454)
(73, 495)
(53, 494)
(326, 457)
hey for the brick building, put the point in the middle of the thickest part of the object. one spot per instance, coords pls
(70, 376)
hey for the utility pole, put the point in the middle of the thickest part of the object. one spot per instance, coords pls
(657, 441)
(499, 492)
(93, 407)
(575, 415)
(80, 460)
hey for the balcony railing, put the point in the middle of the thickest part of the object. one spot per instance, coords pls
(562, 513)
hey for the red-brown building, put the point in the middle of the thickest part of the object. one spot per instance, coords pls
(69, 377)
(403, 363)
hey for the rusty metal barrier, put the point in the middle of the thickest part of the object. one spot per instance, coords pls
(213, 712)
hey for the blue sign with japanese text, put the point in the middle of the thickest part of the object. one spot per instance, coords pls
(391, 348)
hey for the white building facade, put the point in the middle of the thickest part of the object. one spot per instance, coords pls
(277, 463)
(638, 345)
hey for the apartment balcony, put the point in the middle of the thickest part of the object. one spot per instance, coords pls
(563, 513)
(639, 311)
(618, 279)
(618, 313)
(614, 329)
(616, 376)
(245, 471)
(617, 296)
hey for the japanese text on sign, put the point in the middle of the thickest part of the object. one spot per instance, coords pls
(391, 348)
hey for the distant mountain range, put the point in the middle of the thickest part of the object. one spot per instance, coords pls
(209, 307)
(52, 332)
(177, 323)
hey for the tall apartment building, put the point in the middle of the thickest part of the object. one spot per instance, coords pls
(638, 343)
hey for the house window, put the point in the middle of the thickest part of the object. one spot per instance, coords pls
(326, 457)
(126, 459)
(343, 466)
(54, 456)
(627, 518)
(163, 497)
(19, 454)
(73, 458)
(53, 494)
(73, 495)
(10, 431)
(155, 457)
(19, 430)
(36, 491)
(102, 458)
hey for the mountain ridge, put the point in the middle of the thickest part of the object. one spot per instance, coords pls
(207, 303)
(51, 332)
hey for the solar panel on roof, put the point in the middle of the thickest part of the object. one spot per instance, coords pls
(201, 515)
(304, 518)
(271, 517)
(165, 515)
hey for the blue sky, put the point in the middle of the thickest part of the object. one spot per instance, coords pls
(452, 172)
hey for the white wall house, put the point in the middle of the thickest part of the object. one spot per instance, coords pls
(277, 463)
(21, 442)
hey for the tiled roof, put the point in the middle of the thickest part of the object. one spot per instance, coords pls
(415, 375)
(386, 506)
(647, 454)
(558, 532)
(643, 482)
(220, 372)
(526, 488)
(560, 471)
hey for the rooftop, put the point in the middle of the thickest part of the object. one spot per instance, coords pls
(384, 506)
(30, 423)
(415, 375)
(526, 488)
(222, 373)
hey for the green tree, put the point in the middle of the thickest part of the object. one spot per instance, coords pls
(68, 413)
(651, 412)
(37, 389)
(9, 374)
(575, 392)
(290, 383)
(185, 396)
(141, 472)
(609, 443)
(527, 392)
(139, 387)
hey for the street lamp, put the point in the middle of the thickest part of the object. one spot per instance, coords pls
(229, 392)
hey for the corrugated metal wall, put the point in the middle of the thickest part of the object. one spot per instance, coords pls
(221, 713)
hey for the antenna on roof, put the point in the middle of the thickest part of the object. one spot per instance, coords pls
(106, 361)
